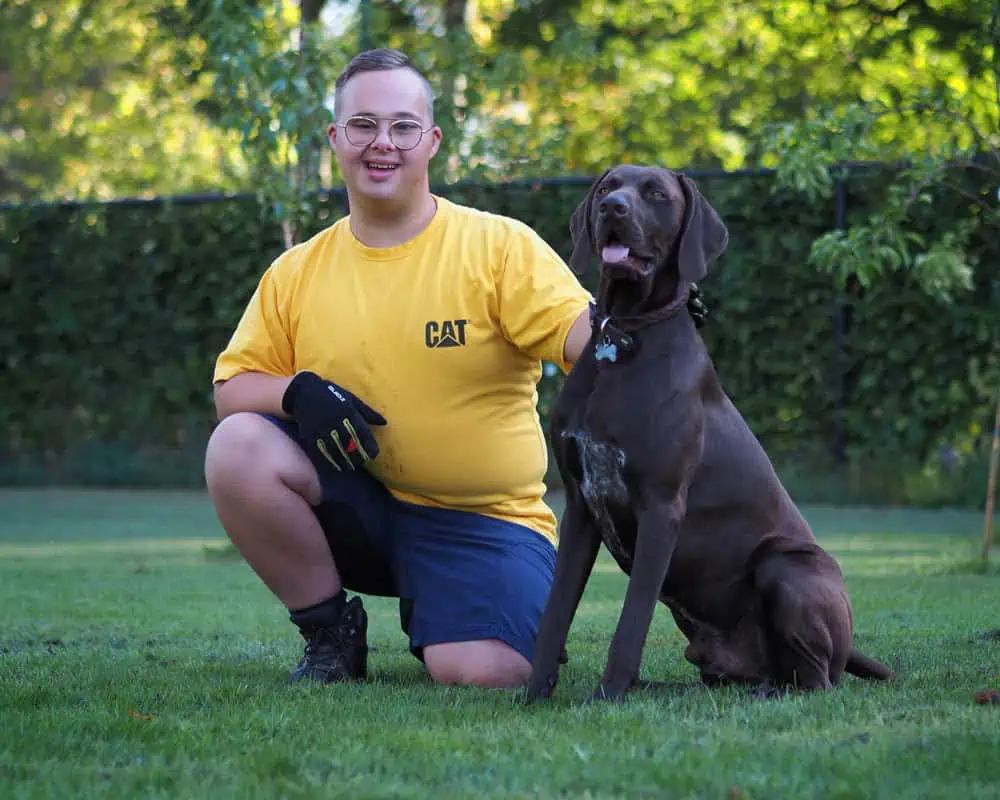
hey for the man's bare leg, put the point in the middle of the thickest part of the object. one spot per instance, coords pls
(263, 487)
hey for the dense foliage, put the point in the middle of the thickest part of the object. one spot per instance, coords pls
(113, 315)
(128, 97)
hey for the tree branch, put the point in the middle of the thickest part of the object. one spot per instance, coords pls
(980, 137)
(993, 173)
(968, 195)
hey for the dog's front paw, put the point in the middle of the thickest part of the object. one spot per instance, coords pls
(540, 687)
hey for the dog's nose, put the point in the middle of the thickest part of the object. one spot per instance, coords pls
(615, 203)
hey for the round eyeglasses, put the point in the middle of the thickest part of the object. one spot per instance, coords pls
(405, 134)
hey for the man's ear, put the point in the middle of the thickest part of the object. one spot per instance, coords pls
(703, 234)
(436, 136)
(581, 230)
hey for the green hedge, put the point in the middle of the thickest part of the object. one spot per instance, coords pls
(112, 316)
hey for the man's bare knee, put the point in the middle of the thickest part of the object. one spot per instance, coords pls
(245, 449)
(488, 664)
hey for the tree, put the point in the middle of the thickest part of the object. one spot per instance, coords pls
(98, 104)
(272, 69)
(932, 134)
(541, 87)
(689, 84)
(936, 147)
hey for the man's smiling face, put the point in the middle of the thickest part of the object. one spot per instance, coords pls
(381, 171)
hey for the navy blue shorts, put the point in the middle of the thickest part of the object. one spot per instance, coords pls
(459, 576)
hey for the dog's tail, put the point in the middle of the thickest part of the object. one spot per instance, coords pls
(861, 666)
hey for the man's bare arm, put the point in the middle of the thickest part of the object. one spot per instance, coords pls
(577, 338)
(251, 391)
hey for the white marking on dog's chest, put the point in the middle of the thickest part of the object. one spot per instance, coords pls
(602, 482)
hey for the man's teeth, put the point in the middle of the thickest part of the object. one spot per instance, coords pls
(381, 166)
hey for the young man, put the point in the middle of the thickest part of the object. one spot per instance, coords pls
(378, 430)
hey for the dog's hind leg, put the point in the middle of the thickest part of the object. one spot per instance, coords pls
(659, 528)
(801, 639)
(579, 542)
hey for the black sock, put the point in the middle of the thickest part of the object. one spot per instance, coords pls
(322, 614)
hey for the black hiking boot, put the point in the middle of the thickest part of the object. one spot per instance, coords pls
(335, 651)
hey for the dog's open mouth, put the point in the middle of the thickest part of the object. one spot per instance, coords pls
(620, 258)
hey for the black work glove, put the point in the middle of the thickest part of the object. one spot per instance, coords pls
(333, 422)
(696, 306)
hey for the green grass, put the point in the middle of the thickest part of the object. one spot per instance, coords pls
(137, 660)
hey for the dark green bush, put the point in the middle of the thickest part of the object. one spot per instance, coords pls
(112, 316)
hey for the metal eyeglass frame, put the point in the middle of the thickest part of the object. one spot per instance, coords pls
(392, 123)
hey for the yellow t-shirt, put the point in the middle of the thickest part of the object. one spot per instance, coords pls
(443, 335)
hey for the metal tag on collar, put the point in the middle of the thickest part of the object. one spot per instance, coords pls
(606, 350)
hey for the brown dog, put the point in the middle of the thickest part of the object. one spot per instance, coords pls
(659, 465)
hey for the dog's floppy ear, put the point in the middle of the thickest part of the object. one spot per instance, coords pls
(581, 230)
(703, 234)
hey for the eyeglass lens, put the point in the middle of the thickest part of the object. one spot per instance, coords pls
(403, 133)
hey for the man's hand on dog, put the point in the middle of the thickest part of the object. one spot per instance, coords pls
(333, 422)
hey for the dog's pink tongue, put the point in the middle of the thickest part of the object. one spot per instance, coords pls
(614, 253)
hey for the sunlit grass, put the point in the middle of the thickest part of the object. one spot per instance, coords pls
(137, 660)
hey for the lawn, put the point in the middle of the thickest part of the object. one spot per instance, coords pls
(137, 660)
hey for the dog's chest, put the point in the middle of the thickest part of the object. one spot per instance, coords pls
(602, 485)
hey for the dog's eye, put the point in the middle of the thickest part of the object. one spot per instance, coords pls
(658, 195)
(603, 190)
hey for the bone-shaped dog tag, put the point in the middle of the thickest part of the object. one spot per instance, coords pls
(606, 350)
